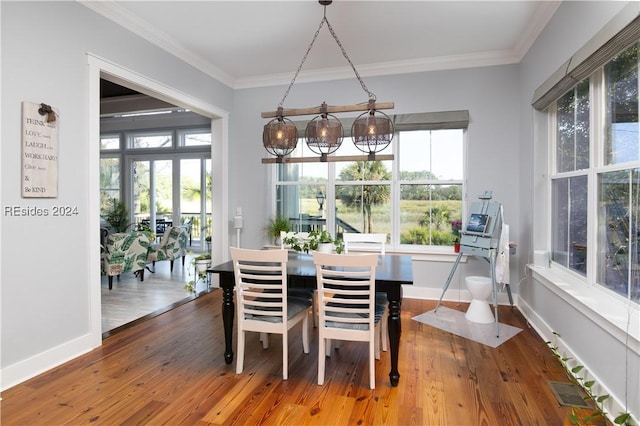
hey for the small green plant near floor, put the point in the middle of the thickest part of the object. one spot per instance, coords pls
(200, 275)
(587, 386)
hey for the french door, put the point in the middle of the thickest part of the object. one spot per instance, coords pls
(173, 189)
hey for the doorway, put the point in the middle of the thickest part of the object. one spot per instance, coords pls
(217, 169)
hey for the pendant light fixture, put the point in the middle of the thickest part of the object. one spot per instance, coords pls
(372, 131)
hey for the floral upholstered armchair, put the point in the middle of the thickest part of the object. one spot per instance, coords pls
(172, 246)
(125, 252)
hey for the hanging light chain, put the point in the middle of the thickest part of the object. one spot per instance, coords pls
(355, 71)
(303, 60)
(372, 96)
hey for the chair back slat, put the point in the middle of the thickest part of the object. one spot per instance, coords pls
(364, 242)
(346, 290)
(261, 282)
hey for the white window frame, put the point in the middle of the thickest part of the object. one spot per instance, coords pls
(394, 245)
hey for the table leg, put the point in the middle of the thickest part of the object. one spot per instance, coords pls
(228, 311)
(394, 339)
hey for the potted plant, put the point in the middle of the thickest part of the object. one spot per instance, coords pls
(456, 226)
(275, 225)
(315, 241)
(201, 263)
(118, 216)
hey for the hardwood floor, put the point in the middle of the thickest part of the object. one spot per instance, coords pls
(131, 299)
(170, 370)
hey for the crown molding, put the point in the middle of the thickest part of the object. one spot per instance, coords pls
(116, 13)
(485, 59)
(142, 28)
(544, 13)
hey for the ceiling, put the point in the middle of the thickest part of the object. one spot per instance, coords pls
(260, 43)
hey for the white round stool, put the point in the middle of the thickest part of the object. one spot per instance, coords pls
(479, 310)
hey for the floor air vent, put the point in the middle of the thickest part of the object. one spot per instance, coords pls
(568, 394)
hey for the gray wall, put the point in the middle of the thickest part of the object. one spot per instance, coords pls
(585, 335)
(46, 306)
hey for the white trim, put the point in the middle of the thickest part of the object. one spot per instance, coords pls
(219, 157)
(613, 405)
(613, 314)
(25, 369)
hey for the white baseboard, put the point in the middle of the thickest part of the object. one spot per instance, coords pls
(451, 295)
(613, 405)
(31, 367)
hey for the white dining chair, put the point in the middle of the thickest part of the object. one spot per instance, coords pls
(356, 241)
(346, 304)
(263, 305)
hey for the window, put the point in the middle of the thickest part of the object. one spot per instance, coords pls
(109, 142)
(194, 137)
(150, 140)
(431, 176)
(157, 178)
(569, 183)
(109, 182)
(600, 162)
(413, 199)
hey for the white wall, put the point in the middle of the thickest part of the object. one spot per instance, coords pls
(48, 291)
(596, 342)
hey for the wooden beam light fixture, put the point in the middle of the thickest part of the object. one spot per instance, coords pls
(372, 131)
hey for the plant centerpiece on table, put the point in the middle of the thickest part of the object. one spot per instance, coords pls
(200, 264)
(275, 225)
(316, 240)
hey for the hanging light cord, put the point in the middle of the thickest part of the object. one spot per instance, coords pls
(372, 97)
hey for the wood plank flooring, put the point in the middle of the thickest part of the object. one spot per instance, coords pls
(170, 370)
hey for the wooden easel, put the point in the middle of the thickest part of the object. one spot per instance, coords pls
(483, 244)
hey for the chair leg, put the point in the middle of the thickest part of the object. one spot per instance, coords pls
(141, 274)
(314, 308)
(110, 282)
(171, 266)
(384, 329)
(372, 365)
(240, 355)
(305, 334)
(264, 338)
(183, 261)
(321, 360)
(285, 354)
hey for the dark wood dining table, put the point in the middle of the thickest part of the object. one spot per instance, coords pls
(392, 271)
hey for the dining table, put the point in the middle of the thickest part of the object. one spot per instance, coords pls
(392, 271)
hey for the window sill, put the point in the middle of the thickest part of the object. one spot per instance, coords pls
(613, 314)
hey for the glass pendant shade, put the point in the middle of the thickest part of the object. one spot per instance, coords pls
(280, 137)
(372, 131)
(324, 134)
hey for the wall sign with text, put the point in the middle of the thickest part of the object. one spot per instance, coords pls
(39, 151)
